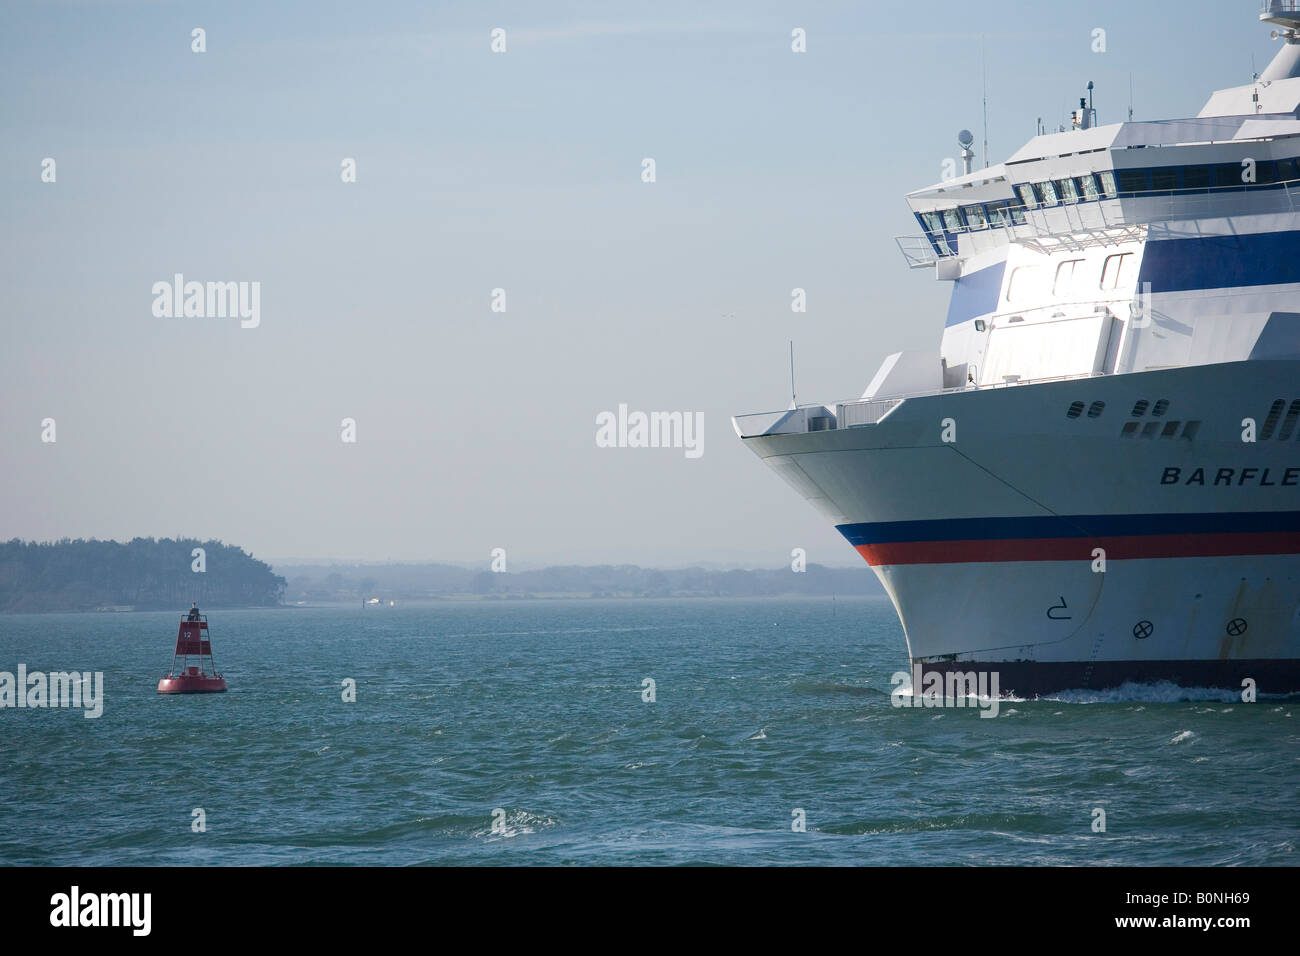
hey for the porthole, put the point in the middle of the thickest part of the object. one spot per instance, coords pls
(1270, 423)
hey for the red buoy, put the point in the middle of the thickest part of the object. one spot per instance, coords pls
(192, 641)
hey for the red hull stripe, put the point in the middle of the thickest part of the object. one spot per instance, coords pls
(1127, 547)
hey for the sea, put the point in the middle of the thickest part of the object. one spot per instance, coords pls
(613, 732)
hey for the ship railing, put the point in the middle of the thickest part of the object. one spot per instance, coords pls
(856, 413)
(1110, 221)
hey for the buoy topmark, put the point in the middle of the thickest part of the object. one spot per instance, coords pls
(192, 641)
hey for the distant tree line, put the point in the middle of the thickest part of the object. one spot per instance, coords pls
(142, 574)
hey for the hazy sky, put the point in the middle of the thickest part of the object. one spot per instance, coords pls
(478, 171)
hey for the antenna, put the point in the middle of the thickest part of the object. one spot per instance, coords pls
(793, 404)
(984, 73)
(1130, 97)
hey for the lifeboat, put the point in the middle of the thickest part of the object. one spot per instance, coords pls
(199, 678)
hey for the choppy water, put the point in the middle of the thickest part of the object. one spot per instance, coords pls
(535, 709)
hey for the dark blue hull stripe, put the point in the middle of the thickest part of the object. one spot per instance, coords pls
(1073, 526)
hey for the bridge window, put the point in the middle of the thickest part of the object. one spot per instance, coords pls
(975, 217)
(1048, 191)
(999, 213)
(1107, 180)
(1116, 270)
(1132, 180)
(1065, 188)
(933, 223)
(1164, 177)
(1027, 194)
(1229, 174)
(1286, 170)
(1196, 177)
(1088, 186)
(951, 221)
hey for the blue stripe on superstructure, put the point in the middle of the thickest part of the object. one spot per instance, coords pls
(1221, 262)
(975, 294)
(1072, 526)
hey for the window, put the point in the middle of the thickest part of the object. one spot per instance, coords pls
(951, 221)
(1165, 177)
(1048, 192)
(975, 217)
(1027, 195)
(1075, 410)
(933, 223)
(1088, 187)
(1132, 180)
(1196, 177)
(1140, 407)
(1286, 170)
(1095, 409)
(1027, 283)
(1068, 274)
(1107, 179)
(1160, 407)
(1066, 190)
(1115, 271)
(1229, 174)
(1005, 213)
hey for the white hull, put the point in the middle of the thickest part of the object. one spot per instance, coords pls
(988, 545)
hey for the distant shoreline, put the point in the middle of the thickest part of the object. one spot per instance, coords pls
(468, 599)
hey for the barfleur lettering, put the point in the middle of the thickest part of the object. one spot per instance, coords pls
(1232, 477)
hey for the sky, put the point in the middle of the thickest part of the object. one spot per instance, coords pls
(476, 171)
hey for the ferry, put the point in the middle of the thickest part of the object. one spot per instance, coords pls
(1094, 478)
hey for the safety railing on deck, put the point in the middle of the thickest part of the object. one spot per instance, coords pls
(1106, 221)
(865, 411)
